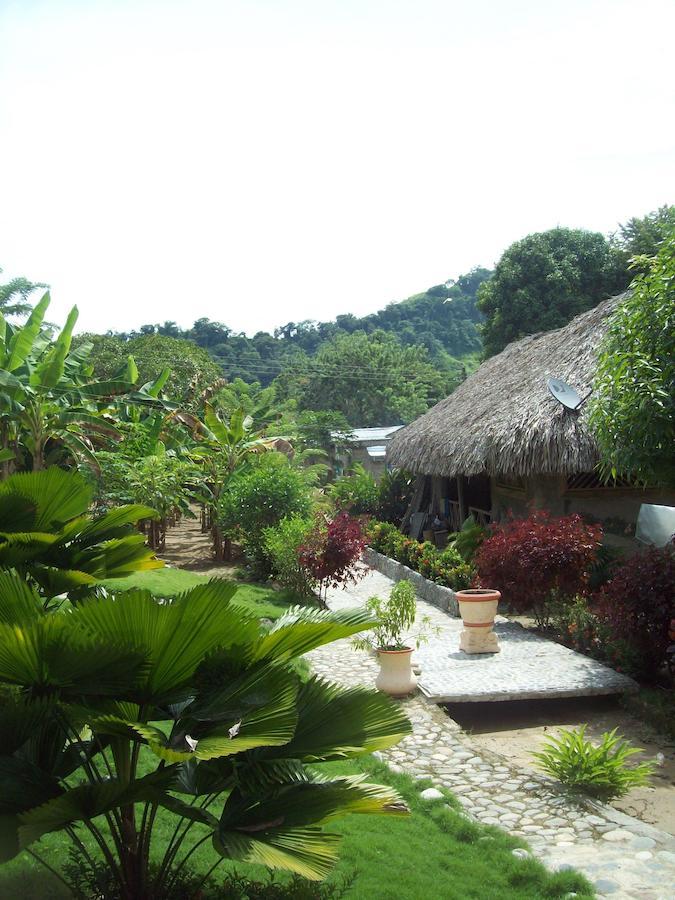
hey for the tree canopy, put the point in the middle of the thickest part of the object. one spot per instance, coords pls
(193, 371)
(370, 378)
(633, 408)
(543, 281)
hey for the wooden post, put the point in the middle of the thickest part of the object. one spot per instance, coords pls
(460, 499)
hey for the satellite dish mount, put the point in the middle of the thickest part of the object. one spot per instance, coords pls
(566, 395)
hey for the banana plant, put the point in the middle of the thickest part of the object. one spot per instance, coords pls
(222, 448)
(126, 713)
(50, 540)
(49, 399)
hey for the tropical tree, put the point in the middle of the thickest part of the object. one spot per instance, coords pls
(49, 539)
(15, 295)
(633, 406)
(544, 280)
(370, 378)
(193, 374)
(126, 711)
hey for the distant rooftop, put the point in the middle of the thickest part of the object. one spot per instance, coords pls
(363, 435)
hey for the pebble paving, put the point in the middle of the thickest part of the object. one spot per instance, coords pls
(621, 856)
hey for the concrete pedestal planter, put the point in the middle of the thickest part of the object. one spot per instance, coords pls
(478, 609)
(396, 676)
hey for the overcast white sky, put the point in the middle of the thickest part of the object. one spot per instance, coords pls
(260, 161)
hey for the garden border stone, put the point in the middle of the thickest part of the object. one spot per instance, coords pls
(442, 597)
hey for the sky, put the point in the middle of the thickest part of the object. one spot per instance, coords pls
(265, 161)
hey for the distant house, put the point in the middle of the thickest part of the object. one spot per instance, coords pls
(501, 442)
(367, 446)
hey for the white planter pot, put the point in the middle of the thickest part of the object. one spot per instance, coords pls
(478, 609)
(396, 675)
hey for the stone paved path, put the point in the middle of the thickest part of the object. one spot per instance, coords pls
(623, 857)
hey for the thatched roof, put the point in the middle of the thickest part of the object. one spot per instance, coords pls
(502, 419)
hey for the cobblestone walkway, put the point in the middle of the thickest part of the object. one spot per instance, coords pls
(623, 857)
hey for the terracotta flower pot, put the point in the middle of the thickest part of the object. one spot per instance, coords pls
(396, 675)
(478, 609)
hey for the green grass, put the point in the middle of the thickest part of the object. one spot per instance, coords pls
(434, 852)
(267, 602)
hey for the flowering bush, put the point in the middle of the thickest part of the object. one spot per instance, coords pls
(332, 552)
(637, 606)
(533, 560)
(445, 567)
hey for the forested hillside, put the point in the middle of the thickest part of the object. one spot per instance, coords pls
(381, 369)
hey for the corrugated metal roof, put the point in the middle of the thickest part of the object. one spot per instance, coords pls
(359, 435)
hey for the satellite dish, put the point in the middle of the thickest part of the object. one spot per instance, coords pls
(565, 394)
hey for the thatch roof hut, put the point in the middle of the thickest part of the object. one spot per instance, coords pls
(502, 420)
(502, 444)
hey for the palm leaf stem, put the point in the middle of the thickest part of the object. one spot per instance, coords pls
(177, 870)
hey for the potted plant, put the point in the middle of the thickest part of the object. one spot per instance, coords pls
(387, 639)
(478, 608)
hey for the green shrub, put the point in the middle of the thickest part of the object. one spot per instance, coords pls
(469, 538)
(282, 543)
(357, 493)
(598, 771)
(261, 496)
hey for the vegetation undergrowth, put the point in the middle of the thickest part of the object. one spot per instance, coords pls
(436, 851)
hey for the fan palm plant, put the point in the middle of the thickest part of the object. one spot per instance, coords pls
(127, 709)
(47, 536)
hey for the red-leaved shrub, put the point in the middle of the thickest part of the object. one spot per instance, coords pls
(536, 559)
(637, 606)
(332, 553)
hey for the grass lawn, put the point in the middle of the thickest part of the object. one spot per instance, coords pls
(267, 602)
(434, 853)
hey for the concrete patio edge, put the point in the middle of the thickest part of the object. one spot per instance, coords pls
(442, 597)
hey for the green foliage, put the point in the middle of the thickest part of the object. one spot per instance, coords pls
(228, 732)
(597, 770)
(543, 281)
(394, 616)
(632, 412)
(282, 543)
(49, 539)
(260, 496)
(358, 493)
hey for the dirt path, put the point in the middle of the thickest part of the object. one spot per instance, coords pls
(188, 547)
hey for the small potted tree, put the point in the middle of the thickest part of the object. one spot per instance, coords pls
(395, 616)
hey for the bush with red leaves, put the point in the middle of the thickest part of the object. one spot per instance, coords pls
(637, 605)
(332, 553)
(534, 560)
